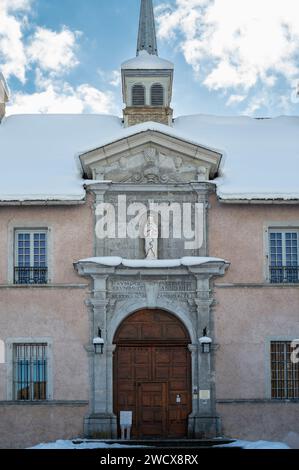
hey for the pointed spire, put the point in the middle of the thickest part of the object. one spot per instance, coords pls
(147, 40)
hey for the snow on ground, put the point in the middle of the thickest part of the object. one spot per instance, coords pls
(60, 444)
(256, 445)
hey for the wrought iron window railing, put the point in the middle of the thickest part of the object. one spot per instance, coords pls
(30, 275)
(284, 274)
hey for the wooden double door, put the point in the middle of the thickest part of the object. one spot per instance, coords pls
(152, 374)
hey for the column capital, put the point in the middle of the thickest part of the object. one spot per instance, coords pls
(204, 302)
(98, 303)
(193, 348)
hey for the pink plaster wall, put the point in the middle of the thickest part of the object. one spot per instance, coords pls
(236, 233)
(247, 317)
(245, 320)
(58, 311)
(27, 425)
(260, 421)
(71, 232)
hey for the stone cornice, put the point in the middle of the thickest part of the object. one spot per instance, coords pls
(255, 285)
(100, 187)
(46, 202)
(210, 269)
(260, 201)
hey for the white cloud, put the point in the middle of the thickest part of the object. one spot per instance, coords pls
(51, 55)
(235, 44)
(23, 44)
(12, 49)
(53, 51)
(62, 98)
(113, 77)
(256, 103)
(266, 98)
(235, 99)
(14, 5)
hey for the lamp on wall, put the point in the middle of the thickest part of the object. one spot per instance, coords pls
(98, 343)
(205, 342)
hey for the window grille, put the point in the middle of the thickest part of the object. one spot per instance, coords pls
(284, 373)
(157, 95)
(30, 372)
(138, 95)
(31, 257)
(283, 257)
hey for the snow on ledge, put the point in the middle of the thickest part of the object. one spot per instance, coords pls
(205, 340)
(152, 263)
(255, 445)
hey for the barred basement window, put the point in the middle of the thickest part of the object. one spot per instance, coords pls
(157, 95)
(284, 373)
(30, 371)
(138, 95)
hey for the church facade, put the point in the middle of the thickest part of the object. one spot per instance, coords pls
(145, 274)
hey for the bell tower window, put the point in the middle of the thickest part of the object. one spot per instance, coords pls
(138, 95)
(157, 95)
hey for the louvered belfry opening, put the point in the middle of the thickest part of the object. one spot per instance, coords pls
(138, 95)
(157, 95)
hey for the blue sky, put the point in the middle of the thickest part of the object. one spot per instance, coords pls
(65, 55)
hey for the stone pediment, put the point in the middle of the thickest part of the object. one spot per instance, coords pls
(151, 157)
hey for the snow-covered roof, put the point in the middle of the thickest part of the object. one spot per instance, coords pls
(147, 61)
(261, 156)
(39, 153)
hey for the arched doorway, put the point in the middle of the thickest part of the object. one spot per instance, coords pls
(152, 374)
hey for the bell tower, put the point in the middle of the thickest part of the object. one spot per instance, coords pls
(147, 79)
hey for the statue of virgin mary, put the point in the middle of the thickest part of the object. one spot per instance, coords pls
(151, 234)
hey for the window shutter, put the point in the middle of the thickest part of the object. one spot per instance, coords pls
(157, 95)
(138, 95)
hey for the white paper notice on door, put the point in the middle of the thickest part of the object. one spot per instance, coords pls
(204, 394)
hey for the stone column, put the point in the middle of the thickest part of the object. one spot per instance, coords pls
(203, 423)
(203, 190)
(102, 422)
(99, 191)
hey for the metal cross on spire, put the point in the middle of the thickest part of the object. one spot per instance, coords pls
(147, 40)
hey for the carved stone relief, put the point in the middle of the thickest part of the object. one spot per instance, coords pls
(153, 166)
(180, 290)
